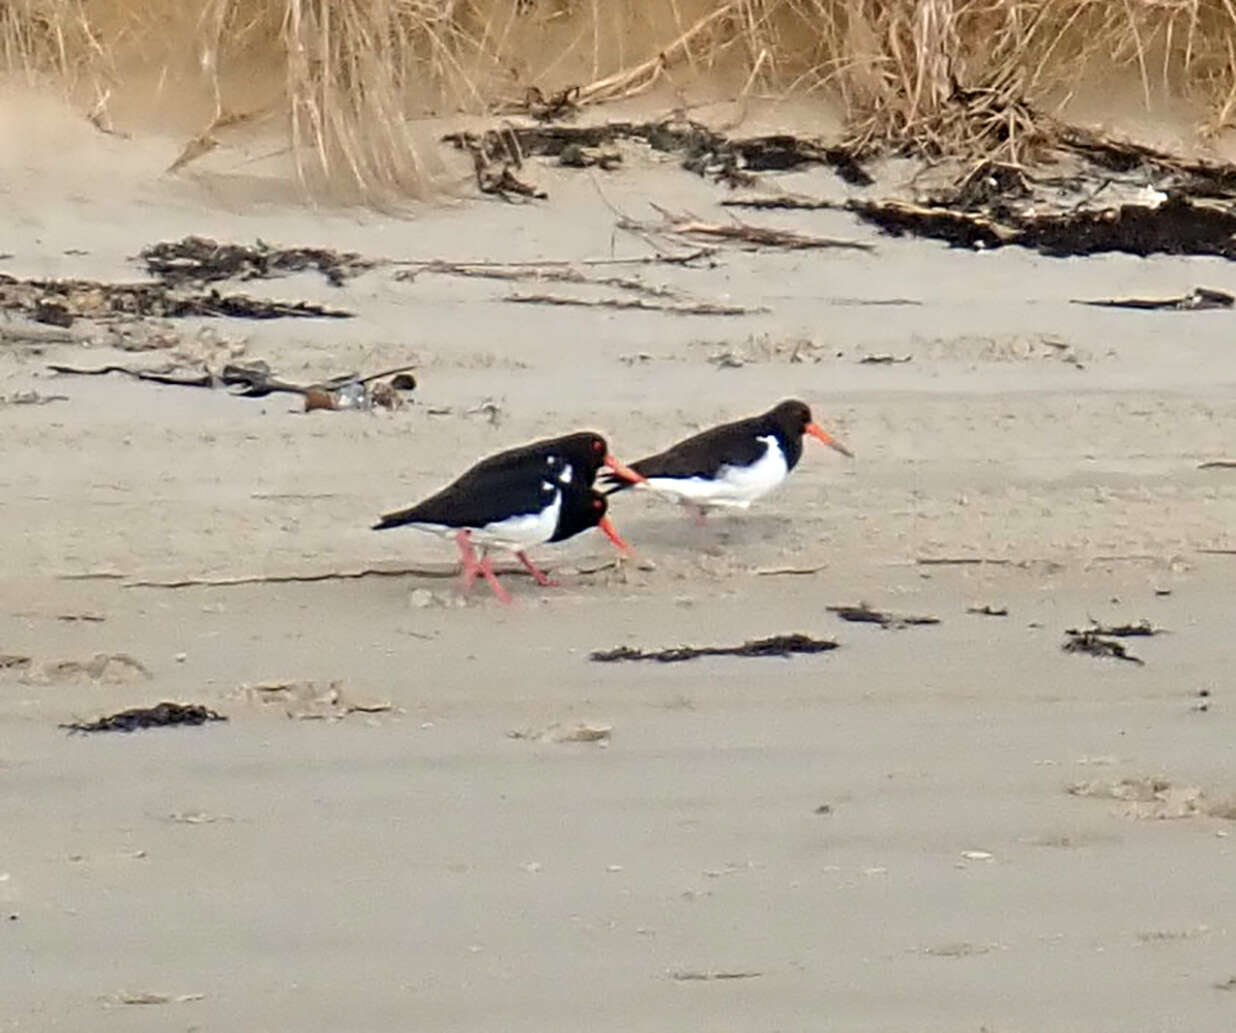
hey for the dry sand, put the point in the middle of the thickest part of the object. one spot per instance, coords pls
(877, 838)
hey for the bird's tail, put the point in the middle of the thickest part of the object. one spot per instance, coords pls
(404, 516)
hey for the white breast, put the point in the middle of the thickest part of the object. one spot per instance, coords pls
(737, 486)
(522, 532)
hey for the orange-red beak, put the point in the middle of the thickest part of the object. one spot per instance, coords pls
(612, 534)
(816, 431)
(624, 471)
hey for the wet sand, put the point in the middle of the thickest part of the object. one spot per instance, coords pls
(874, 839)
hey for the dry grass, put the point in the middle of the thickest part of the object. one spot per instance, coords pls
(348, 77)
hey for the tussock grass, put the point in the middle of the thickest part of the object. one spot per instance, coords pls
(348, 77)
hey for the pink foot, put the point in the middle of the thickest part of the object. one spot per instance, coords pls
(541, 577)
(487, 570)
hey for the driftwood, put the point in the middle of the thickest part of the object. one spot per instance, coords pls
(552, 274)
(254, 379)
(1200, 299)
(702, 308)
(692, 228)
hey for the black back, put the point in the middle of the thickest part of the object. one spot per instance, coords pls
(730, 444)
(516, 482)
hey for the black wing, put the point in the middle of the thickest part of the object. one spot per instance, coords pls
(484, 495)
(702, 455)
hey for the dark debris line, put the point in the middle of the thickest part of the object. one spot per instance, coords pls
(776, 645)
(161, 715)
(202, 260)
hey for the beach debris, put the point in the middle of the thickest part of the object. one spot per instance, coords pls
(884, 359)
(549, 272)
(14, 662)
(693, 976)
(144, 997)
(1178, 226)
(978, 855)
(562, 104)
(574, 156)
(61, 302)
(690, 227)
(701, 308)
(1172, 935)
(824, 808)
(312, 701)
(1091, 643)
(1218, 464)
(864, 614)
(775, 645)
(254, 380)
(962, 949)
(1227, 984)
(704, 151)
(203, 260)
(161, 715)
(1200, 299)
(579, 732)
(495, 157)
(987, 610)
(196, 818)
(1142, 629)
(1158, 798)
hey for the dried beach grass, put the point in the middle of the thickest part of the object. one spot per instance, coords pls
(348, 78)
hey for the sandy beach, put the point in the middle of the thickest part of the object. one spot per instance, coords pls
(874, 839)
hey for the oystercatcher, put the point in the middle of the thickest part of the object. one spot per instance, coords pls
(516, 499)
(733, 464)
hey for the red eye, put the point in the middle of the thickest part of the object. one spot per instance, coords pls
(598, 446)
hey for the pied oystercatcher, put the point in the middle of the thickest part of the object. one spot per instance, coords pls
(733, 464)
(519, 498)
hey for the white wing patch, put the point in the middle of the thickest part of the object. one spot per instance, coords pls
(736, 486)
(566, 475)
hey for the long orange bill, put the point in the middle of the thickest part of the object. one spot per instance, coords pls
(624, 471)
(612, 534)
(816, 431)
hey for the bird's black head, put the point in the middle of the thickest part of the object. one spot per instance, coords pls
(582, 510)
(586, 452)
(792, 419)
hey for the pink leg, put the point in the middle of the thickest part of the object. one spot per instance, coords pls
(701, 516)
(487, 570)
(540, 575)
(470, 567)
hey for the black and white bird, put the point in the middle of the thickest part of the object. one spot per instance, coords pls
(733, 464)
(517, 499)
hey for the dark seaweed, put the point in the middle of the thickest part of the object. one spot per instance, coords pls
(776, 645)
(161, 715)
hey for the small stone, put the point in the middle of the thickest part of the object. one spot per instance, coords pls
(181, 657)
(420, 598)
